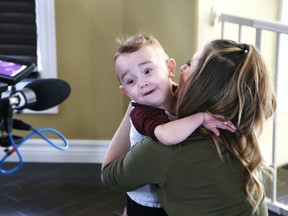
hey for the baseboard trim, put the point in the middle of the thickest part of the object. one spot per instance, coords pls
(79, 151)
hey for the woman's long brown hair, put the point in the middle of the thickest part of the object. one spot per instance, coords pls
(232, 80)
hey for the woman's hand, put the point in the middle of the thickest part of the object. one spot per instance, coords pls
(212, 123)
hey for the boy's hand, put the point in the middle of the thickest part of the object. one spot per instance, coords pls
(213, 124)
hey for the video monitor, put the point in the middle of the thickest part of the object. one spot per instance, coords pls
(13, 71)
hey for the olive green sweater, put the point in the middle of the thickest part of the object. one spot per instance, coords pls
(191, 178)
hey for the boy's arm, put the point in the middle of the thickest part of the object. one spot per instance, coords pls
(178, 130)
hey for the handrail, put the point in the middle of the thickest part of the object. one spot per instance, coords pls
(259, 24)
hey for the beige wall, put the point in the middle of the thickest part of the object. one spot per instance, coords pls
(85, 34)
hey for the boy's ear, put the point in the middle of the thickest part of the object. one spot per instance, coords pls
(122, 89)
(171, 65)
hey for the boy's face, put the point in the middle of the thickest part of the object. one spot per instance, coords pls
(145, 76)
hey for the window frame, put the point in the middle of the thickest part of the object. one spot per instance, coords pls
(46, 38)
(46, 47)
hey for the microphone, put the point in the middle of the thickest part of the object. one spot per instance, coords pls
(40, 95)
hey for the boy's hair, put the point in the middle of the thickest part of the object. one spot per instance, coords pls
(135, 42)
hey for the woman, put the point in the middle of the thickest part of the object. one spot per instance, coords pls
(206, 174)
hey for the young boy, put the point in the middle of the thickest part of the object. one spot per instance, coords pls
(145, 72)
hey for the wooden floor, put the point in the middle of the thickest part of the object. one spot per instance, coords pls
(58, 190)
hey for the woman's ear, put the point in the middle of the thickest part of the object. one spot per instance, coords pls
(171, 65)
(123, 90)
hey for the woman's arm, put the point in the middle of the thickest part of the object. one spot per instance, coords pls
(120, 143)
(146, 163)
(178, 130)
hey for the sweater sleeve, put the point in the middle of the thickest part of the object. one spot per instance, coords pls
(140, 166)
(145, 119)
